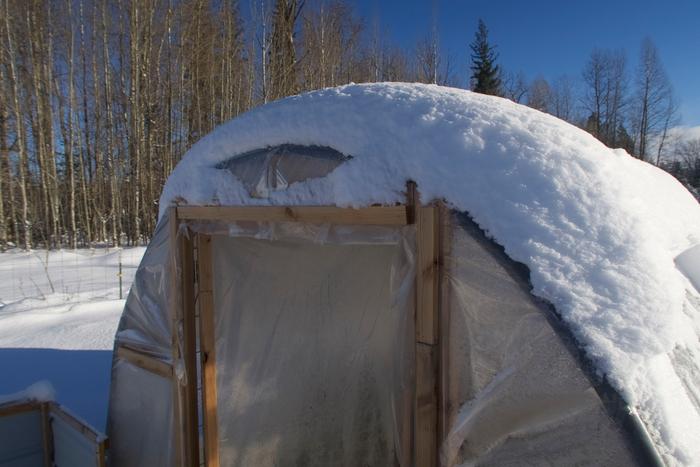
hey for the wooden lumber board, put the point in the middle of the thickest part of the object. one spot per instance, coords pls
(207, 350)
(411, 201)
(407, 403)
(375, 215)
(46, 434)
(175, 312)
(444, 254)
(145, 362)
(101, 454)
(190, 417)
(13, 409)
(427, 243)
(427, 316)
(426, 410)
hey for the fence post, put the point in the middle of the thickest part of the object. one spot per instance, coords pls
(120, 275)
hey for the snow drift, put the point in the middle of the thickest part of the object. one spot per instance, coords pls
(598, 229)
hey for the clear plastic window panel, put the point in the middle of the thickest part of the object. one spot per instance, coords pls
(314, 349)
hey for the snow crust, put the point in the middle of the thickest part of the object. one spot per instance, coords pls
(598, 229)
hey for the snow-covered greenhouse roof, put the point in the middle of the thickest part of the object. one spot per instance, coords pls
(608, 239)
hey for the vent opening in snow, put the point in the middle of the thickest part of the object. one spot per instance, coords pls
(275, 168)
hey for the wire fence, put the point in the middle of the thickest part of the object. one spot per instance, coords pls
(70, 275)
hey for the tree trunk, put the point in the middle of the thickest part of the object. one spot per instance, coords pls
(22, 137)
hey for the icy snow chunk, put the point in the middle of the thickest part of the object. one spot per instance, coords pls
(41, 391)
(688, 263)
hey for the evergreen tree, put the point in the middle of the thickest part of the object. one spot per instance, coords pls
(486, 75)
(623, 139)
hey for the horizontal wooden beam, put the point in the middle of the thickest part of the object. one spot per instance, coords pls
(87, 431)
(375, 215)
(15, 408)
(145, 362)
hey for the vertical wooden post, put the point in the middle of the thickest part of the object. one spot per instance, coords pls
(207, 350)
(175, 316)
(444, 251)
(46, 434)
(426, 411)
(101, 454)
(189, 348)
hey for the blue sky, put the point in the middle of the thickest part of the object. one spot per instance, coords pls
(551, 37)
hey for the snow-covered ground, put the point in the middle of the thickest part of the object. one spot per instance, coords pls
(58, 316)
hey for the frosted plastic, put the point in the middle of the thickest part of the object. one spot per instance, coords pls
(21, 440)
(71, 447)
(140, 424)
(314, 348)
(145, 323)
(315, 358)
(516, 395)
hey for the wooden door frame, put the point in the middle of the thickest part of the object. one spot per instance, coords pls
(193, 305)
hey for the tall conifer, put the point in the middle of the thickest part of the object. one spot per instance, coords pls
(486, 75)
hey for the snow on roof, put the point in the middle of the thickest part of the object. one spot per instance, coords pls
(598, 229)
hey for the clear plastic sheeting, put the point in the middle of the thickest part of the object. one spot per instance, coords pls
(71, 447)
(315, 233)
(21, 440)
(314, 339)
(141, 417)
(139, 422)
(516, 395)
(275, 168)
(145, 323)
(314, 348)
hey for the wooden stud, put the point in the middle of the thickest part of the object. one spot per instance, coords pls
(426, 410)
(411, 201)
(444, 251)
(207, 350)
(12, 409)
(190, 417)
(46, 435)
(175, 311)
(427, 280)
(101, 453)
(145, 362)
(427, 316)
(377, 215)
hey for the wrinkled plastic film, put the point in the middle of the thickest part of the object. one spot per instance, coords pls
(140, 423)
(516, 395)
(314, 348)
(145, 323)
(314, 233)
